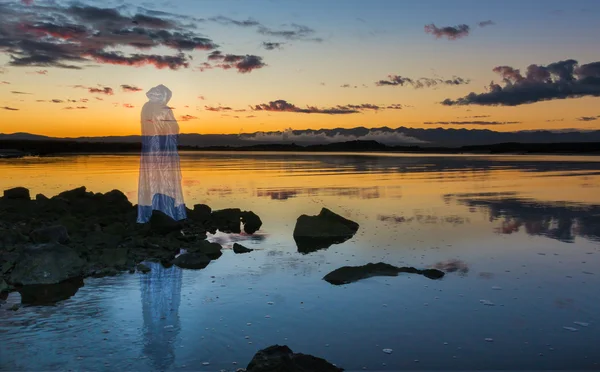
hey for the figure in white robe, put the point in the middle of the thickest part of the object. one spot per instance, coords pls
(160, 172)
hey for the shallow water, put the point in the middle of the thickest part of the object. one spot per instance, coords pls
(525, 229)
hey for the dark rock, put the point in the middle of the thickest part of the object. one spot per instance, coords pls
(227, 220)
(195, 260)
(48, 263)
(278, 358)
(201, 213)
(212, 250)
(114, 257)
(144, 269)
(17, 193)
(47, 294)
(73, 195)
(349, 274)
(312, 233)
(163, 224)
(50, 234)
(3, 286)
(251, 222)
(238, 248)
(14, 307)
(12, 237)
(105, 271)
(41, 197)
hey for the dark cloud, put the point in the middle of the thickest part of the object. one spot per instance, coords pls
(10, 108)
(201, 98)
(394, 106)
(486, 23)
(130, 88)
(421, 82)
(271, 45)
(105, 90)
(17, 92)
(243, 63)
(296, 32)
(75, 108)
(475, 122)
(52, 35)
(228, 21)
(450, 32)
(559, 80)
(187, 117)
(57, 101)
(284, 106)
(588, 118)
(220, 108)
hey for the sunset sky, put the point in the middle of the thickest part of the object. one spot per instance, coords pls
(82, 68)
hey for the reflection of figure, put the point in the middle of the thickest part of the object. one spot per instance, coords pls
(160, 173)
(161, 295)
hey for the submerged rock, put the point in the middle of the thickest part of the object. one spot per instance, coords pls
(48, 263)
(312, 233)
(349, 274)
(238, 248)
(47, 294)
(278, 358)
(195, 261)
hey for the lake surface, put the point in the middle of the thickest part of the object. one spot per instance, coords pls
(523, 231)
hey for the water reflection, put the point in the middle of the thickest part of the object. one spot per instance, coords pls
(373, 192)
(161, 297)
(559, 220)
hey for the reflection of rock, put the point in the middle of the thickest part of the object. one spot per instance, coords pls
(195, 260)
(349, 274)
(49, 263)
(46, 294)
(238, 248)
(452, 265)
(278, 358)
(312, 233)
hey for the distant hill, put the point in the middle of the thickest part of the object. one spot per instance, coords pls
(401, 136)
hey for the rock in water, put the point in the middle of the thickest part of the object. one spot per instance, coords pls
(349, 274)
(50, 234)
(227, 220)
(251, 222)
(17, 193)
(192, 261)
(278, 358)
(48, 263)
(212, 250)
(312, 233)
(238, 248)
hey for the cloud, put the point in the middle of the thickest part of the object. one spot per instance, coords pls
(558, 80)
(315, 137)
(296, 32)
(346, 86)
(105, 90)
(588, 118)
(228, 21)
(128, 105)
(54, 35)
(220, 108)
(201, 98)
(450, 32)
(475, 122)
(130, 88)
(283, 106)
(10, 108)
(4, 82)
(57, 101)
(486, 23)
(271, 45)
(242, 63)
(17, 92)
(394, 106)
(75, 108)
(421, 82)
(187, 117)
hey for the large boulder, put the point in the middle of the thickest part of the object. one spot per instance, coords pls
(312, 233)
(349, 274)
(251, 222)
(50, 234)
(212, 250)
(227, 220)
(194, 261)
(48, 263)
(278, 358)
(17, 193)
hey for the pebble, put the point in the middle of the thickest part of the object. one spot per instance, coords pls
(489, 339)
(387, 351)
(496, 288)
(205, 363)
(583, 324)
(572, 329)
(270, 303)
(487, 302)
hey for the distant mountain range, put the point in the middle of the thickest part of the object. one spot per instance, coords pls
(402, 136)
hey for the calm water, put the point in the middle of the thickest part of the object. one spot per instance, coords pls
(527, 229)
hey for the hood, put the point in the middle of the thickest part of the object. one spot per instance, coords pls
(159, 93)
